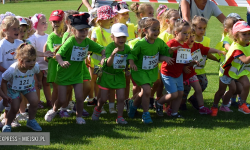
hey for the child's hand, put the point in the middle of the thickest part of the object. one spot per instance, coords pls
(194, 62)
(186, 69)
(222, 52)
(172, 49)
(133, 66)
(49, 54)
(64, 64)
(6, 101)
(116, 50)
(169, 60)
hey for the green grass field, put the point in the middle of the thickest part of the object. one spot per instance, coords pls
(226, 131)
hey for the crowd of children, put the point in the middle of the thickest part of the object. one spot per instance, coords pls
(99, 53)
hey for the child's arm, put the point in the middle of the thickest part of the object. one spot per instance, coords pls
(132, 64)
(212, 57)
(103, 57)
(39, 81)
(3, 93)
(64, 64)
(2, 69)
(45, 54)
(44, 50)
(167, 59)
(212, 50)
(245, 59)
(227, 46)
(112, 56)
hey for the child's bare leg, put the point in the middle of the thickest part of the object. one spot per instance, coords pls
(46, 89)
(78, 88)
(176, 103)
(36, 85)
(145, 96)
(245, 84)
(102, 98)
(120, 101)
(198, 93)
(23, 104)
(33, 100)
(62, 97)
(11, 115)
(54, 93)
(127, 89)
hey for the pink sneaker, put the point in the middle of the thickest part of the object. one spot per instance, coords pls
(205, 110)
(225, 109)
(64, 114)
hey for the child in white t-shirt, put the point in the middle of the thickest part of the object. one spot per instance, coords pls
(38, 39)
(19, 79)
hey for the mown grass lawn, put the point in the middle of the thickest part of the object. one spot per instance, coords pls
(226, 131)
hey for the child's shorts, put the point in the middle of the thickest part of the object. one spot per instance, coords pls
(225, 79)
(45, 73)
(13, 94)
(192, 79)
(172, 84)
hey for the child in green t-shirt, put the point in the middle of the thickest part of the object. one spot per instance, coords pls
(70, 71)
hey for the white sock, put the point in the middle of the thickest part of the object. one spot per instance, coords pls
(1, 106)
(111, 105)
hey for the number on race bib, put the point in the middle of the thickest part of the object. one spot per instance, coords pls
(119, 61)
(150, 62)
(79, 53)
(22, 82)
(183, 56)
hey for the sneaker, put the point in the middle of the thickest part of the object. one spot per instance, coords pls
(15, 123)
(92, 103)
(50, 115)
(2, 116)
(49, 104)
(177, 116)
(183, 107)
(103, 111)
(87, 99)
(22, 117)
(205, 111)
(84, 112)
(146, 118)
(214, 111)
(71, 105)
(6, 128)
(96, 114)
(229, 104)
(80, 120)
(121, 120)
(159, 109)
(225, 109)
(151, 103)
(40, 104)
(112, 111)
(33, 125)
(64, 114)
(243, 108)
(194, 102)
(131, 109)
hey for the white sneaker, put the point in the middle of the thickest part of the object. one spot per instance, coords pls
(87, 99)
(103, 111)
(22, 117)
(2, 116)
(15, 123)
(80, 120)
(71, 105)
(50, 115)
(112, 111)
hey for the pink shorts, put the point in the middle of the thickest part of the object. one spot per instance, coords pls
(103, 88)
(191, 80)
(85, 80)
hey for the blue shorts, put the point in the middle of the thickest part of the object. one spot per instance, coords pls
(225, 79)
(172, 84)
(14, 94)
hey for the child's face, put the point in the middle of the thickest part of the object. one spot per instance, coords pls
(148, 13)
(13, 31)
(28, 63)
(153, 31)
(184, 34)
(107, 23)
(191, 39)
(23, 33)
(123, 17)
(174, 17)
(120, 41)
(243, 38)
(56, 24)
(81, 34)
(200, 29)
(42, 24)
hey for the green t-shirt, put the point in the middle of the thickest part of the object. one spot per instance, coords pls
(65, 35)
(113, 78)
(74, 74)
(141, 49)
(52, 41)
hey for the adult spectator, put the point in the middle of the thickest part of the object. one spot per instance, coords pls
(204, 8)
(97, 3)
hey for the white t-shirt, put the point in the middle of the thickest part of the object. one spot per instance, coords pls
(13, 71)
(211, 9)
(8, 53)
(38, 42)
(93, 35)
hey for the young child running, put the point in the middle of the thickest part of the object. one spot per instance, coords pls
(9, 43)
(143, 62)
(102, 36)
(38, 39)
(113, 77)
(19, 78)
(54, 40)
(70, 59)
(171, 75)
(190, 78)
(235, 67)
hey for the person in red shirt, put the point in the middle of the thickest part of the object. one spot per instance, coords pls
(172, 74)
(189, 75)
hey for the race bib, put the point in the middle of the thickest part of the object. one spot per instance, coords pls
(22, 82)
(150, 62)
(120, 61)
(183, 56)
(196, 55)
(79, 53)
(202, 63)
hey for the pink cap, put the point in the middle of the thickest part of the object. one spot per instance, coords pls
(240, 26)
